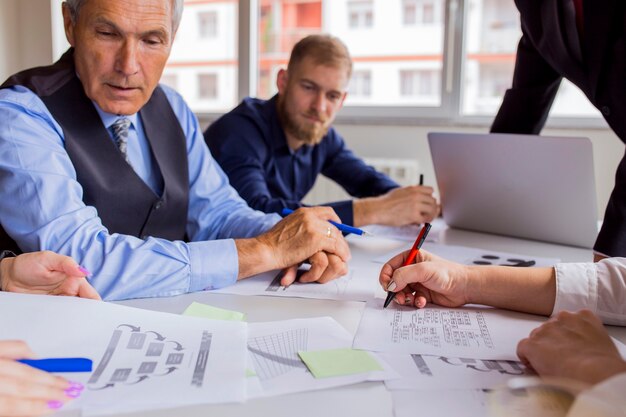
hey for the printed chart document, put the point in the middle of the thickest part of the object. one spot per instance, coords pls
(141, 359)
(436, 372)
(274, 347)
(350, 287)
(473, 256)
(468, 332)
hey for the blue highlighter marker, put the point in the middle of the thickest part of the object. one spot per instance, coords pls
(60, 364)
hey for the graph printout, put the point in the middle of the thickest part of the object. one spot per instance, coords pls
(141, 359)
(469, 332)
(437, 372)
(273, 348)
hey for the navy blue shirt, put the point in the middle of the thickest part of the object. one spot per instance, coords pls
(250, 145)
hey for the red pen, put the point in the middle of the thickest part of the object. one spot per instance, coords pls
(412, 254)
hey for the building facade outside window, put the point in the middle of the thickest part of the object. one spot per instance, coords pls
(423, 12)
(360, 84)
(419, 83)
(360, 14)
(399, 43)
(207, 86)
(207, 24)
(170, 80)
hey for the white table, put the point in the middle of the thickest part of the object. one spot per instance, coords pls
(365, 399)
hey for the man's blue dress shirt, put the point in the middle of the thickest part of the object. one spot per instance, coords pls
(41, 206)
(250, 145)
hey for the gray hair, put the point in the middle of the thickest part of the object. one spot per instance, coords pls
(177, 13)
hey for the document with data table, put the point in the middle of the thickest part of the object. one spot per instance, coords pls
(468, 332)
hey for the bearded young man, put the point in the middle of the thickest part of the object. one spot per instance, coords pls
(273, 150)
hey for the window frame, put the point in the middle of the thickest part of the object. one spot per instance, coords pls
(449, 113)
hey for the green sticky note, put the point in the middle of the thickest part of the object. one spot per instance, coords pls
(339, 362)
(250, 373)
(209, 312)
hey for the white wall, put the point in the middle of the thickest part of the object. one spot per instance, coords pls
(25, 35)
(9, 52)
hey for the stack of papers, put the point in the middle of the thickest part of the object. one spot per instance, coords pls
(148, 360)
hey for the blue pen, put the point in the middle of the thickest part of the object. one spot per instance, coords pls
(60, 364)
(340, 226)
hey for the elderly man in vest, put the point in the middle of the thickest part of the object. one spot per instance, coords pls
(102, 164)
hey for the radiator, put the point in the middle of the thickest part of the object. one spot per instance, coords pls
(402, 171)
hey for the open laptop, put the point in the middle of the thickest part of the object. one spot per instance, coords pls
(533, 187)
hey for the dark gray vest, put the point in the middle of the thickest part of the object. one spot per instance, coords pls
(125, 204)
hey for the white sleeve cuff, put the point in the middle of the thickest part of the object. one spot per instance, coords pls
(576, 287)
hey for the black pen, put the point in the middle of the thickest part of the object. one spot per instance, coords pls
(421, 179)
(421, 237)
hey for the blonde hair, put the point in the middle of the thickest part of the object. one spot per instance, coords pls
(324, 50)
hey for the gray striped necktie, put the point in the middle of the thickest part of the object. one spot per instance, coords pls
(120, 135)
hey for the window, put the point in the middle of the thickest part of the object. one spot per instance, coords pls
(170, 80)
(360, 84)
(207, 86)
(419, 83)
(404, 66)
(360, 14)
(207, 24)
(492, 34)
(379, 53)
(207, 76)
(423, 12)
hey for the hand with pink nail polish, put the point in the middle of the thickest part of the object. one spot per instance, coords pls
(45, 273)
(26, 391)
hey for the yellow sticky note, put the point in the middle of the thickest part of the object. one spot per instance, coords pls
(209, 312)
(339, 362)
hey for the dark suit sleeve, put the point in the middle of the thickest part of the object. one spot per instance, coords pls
(235, 143)
(526, 105)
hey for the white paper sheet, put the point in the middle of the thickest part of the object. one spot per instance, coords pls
(274, 348)
(404, 233)
(458, 403)
(473, 256)
(433, 372)
(142, 359)
(350, 287)
(468, 332)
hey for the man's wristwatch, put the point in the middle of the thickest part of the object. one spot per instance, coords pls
(6, 254)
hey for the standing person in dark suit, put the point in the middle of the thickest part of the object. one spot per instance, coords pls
(584, 42)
